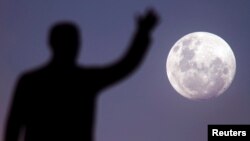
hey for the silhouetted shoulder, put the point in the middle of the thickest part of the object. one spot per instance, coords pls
(32, 73)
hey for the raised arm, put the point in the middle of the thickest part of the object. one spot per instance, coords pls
(15, 118)
(136, 52)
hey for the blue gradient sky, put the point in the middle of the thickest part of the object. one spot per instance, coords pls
(143, 107)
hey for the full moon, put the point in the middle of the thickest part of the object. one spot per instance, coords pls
(201, 65)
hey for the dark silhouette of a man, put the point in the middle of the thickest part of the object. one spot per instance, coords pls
(57, 101)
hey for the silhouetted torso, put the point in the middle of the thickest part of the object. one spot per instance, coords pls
(57, 102)
(60, 104)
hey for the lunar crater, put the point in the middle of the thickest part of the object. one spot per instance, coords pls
(187, 42)
(186, 59)
(176, 48)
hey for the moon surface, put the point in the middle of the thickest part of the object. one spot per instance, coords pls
(201, 65)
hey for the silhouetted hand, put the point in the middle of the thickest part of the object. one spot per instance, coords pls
(148, 21)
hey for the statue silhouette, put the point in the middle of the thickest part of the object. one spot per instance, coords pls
(57, 101)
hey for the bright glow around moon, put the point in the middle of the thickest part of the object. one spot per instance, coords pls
(201, 65)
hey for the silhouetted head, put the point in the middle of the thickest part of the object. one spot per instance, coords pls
(64, 41)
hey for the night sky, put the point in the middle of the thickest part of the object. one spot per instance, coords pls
(143, 107)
